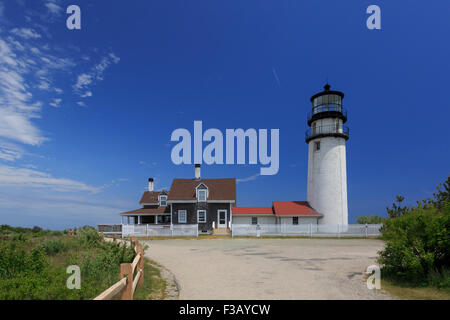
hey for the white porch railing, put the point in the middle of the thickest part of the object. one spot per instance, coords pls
(152, 230)
(309, 230)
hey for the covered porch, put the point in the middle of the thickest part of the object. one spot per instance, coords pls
(144, 216)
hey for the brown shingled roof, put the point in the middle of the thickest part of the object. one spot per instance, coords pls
(219, 189)
(151, 197)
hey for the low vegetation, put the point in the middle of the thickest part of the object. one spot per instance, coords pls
(417, 251)
(33, 263)
(370, 219)
(155, 286)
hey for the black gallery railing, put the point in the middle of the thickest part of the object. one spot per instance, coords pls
(324, 130)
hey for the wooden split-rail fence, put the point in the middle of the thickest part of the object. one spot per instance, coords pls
(126, 286)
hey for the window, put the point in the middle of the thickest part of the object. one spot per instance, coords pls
(254, 220)
(182, 216)
(166, 219)
(295, 220)
(317, 145)
(163, 201)
(334, 99)
(160, 219)
(201, 216)
(201, 195)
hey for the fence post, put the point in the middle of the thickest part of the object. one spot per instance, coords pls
(141, 265)
(114, 237)
(366, 230)
(310, 230)
(125, 271)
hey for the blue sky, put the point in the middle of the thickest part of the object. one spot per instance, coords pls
(86, 115)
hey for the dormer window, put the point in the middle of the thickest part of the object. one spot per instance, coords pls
(163, 201)
(201, 195)
(201, 192)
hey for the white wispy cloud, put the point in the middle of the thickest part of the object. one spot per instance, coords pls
(96, 74)
(54, 8)
(148, 164)
(12, 176)
(26, 33)
(81, 104)
(10, 152)
(87, 94)
(56, 102)
(25, 65)
(251, 178)
(276, 77)
(17, 108)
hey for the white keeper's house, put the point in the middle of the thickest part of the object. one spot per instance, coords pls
(210, 204)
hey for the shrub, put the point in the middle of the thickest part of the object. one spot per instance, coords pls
(88, 236)
(52, 247)
(36, 229)
(27, 271)
(417, 244)
(15, 260)
(370, 219)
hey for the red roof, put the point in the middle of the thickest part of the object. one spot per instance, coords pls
(294, 208)
(252, 210)
(280, 208)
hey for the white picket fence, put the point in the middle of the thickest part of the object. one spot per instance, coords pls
(151, 230)
(307, 230)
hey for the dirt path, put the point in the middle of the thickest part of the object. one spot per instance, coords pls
(269, 268)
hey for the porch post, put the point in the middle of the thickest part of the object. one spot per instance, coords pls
(139, 219)
(156, 219)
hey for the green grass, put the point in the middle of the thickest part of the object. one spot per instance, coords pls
(154, 287)
(33, 263)
(410, 292)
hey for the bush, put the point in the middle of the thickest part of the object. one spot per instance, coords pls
(88, 236)
(15, 260)
(36, 229)
(52, 247)
(35, 268)
(418, 244)
(370, 219)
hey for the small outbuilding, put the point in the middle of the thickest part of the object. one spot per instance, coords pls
(281, 212)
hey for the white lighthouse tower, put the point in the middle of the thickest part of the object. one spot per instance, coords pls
(327, 168)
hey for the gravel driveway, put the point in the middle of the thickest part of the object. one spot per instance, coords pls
(269, 268)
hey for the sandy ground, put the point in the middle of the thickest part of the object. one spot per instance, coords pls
(269, 268)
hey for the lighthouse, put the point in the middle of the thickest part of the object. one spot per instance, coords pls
(327, 168)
